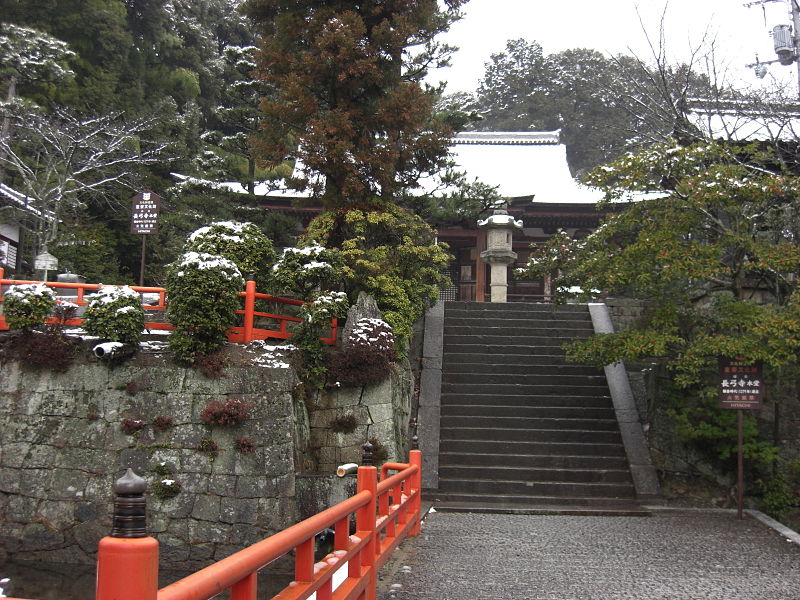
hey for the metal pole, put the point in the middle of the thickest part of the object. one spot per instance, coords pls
(141, 264)
(740, 464)
(795, 11)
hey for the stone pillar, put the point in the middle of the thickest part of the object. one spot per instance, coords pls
(499, 254)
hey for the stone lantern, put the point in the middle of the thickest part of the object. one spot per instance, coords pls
(498, 254)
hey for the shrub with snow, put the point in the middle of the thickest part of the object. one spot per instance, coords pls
(115, 314)
(325, 307)
(375, 334)
(26, 306)
(203, 292)
(301, 270)
(367, 357)
(244, 244)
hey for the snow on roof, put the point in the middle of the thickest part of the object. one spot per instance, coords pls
(21, 201)
(741, 121)
(520, 163)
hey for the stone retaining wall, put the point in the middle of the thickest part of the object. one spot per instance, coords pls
(62, 447)
(624, 311)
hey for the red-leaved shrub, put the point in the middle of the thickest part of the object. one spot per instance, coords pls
(229, 413)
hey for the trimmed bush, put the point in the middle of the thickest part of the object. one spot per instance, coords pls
(203, 291)
(26, 306)
(367, 356)
(388, 253)
(301, 270)
(244, 244)
(115, 314)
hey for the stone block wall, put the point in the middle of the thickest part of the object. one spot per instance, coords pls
(381, 412)
(62, 446)
(624, 311)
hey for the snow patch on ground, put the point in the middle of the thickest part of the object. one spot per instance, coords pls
(268, 355)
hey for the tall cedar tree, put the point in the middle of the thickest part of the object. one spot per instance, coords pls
(346, 99)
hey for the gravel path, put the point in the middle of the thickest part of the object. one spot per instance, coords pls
(676, 555)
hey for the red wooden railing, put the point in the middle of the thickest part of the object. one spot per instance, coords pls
(241, 334)
(386, 512)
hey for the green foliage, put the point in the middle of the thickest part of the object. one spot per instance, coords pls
(88, 250)
(204, 293)
(166, 488)
(347, 99)
(301, 270)
(26, 306)
(712, 245)
(777, 496)
(700, 420)
(309, 360)
(115, 314)
(388, 253)
(243, 244)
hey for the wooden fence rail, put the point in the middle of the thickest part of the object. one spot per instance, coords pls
(386, 512)
(247, 332)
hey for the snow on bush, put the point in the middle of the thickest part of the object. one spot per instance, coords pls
(115, 314)
(27, 305)
(372, 333)
(300, 270)
(203, 291)
(244, 244)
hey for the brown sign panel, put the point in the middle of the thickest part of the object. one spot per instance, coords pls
(144, 216)
(741, 384)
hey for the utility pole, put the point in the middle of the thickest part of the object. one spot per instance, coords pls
(785, 39)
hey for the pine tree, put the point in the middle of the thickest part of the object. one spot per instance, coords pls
(346, 98)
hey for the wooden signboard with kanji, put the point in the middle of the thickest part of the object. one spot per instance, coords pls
(741, 384)
(144, 215)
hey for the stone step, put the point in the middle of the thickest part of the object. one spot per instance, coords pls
(483, 350)
(518, 338)
(538, 447)
(529, 322)
(525, 377)
(521, 307)
(538, 488)
(537, 475)
(580, 436)
(508, 502)
(520, 389)
(531, 423)
(511, 364)
(469, 411)
(511, 332)
(526, 400)
(532, 461)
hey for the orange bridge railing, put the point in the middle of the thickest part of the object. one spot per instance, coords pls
(386, 511)
(247, 332)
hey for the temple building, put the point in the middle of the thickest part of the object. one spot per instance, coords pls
(531, 174)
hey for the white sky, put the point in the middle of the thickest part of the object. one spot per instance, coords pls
(612, 27)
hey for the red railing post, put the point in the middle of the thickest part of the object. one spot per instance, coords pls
(246, 588)
(127, 560)
(415, 458)
(367, 480)
(249, 309)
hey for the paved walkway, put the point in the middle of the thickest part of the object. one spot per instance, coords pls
(675, 555)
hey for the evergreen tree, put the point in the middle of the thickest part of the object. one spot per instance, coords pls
(604, 107)
(346, 98)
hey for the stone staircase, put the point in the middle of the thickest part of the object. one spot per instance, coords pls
(520, 427)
